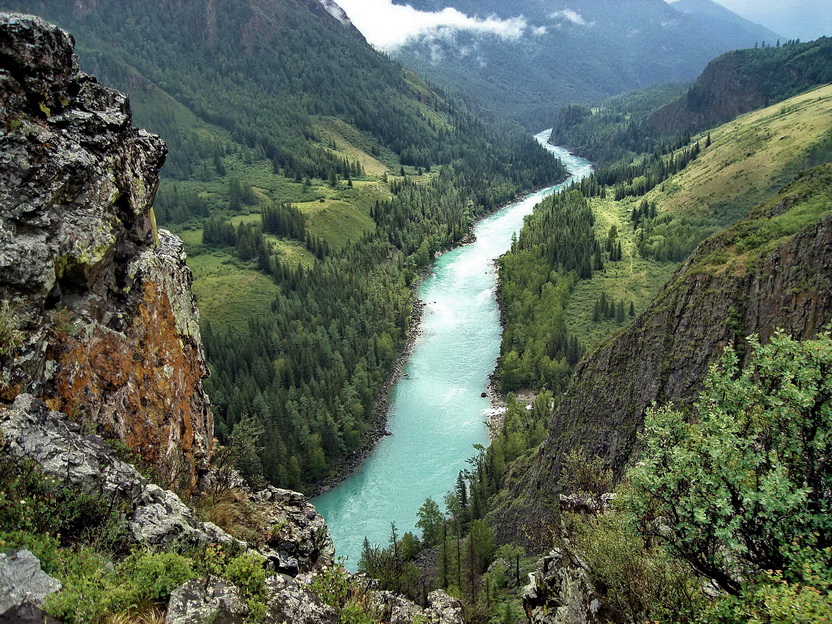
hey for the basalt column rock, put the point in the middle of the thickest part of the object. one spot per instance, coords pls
(97, 317)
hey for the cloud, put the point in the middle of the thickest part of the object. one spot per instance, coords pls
(388, 26)
(570, 16)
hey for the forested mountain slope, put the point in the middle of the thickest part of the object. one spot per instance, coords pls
(311, 179)
(735, 83)
(570, 52)
(769, 270)
(745, 80)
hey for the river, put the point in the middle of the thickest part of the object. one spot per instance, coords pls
(437, 412)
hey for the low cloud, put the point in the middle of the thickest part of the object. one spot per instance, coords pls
(388, 26)
(570, 16)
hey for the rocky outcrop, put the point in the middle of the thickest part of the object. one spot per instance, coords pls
(153, 516)
(745, 80)
(561, 592)
(98, 301)
(298, 538)
(208, 599)
(22, 581)
(302, 542)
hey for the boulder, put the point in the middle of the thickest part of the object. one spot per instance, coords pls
(291, 601)
(22, 581)
(301, 542)
(561, 592)
(206, 599)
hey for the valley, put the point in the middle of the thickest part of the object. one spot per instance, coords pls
(520, 386)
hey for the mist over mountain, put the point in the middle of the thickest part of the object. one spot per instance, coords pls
(726, 24)
(571, 51)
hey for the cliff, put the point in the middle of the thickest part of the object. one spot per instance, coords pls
(745, 80)
(98, 314)
(771, 270)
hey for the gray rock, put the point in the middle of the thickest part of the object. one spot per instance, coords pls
(206, 600)
(560, 592)
(443, 609)
(155, 516)
(290, 601)
(102, 299)
(23, 581)
(302, 542)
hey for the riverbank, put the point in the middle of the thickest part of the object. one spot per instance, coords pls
(381, 409)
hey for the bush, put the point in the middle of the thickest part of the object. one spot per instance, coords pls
(742, 483)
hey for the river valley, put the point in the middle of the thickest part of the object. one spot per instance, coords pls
(437, 412)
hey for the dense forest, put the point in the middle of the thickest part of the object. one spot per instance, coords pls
(247, 110)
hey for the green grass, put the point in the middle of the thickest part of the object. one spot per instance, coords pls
(750, 157)
(633, 278)
(228, 292)
(749, 160)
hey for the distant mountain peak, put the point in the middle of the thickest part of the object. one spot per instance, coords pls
(713, 11)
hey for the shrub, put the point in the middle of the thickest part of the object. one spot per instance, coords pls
(742, 482)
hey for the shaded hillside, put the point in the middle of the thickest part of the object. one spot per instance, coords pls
(744, 80)
(569, 52)
(771, 270)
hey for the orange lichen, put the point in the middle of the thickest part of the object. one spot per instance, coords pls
(143, 386)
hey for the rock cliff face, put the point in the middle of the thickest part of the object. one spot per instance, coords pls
(727, 290)
(745, 80)
(98, 314)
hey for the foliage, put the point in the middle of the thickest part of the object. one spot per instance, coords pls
(638, 579)
(93, 589)
(741, 483)
(36, 503)
(585, 476)
(10, 336)
(615, 128)
(335, 587)
(247, 573)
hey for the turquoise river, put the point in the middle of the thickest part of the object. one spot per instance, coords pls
(437, 413)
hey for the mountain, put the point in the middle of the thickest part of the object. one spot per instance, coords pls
(569, 52)
(766, 174)
(744, 80)
(725, 24)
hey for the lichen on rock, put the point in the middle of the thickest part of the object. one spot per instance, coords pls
(103, 300)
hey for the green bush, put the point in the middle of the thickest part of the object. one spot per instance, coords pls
(740, 484)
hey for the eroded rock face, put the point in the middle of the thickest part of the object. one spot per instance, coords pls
(22, 581)
(101, 301)
(154, 516)
(560, 592)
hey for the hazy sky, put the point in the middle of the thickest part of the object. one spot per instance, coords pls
(387, 26)
(794, 19)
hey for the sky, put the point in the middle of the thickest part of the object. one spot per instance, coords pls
(388, 26)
